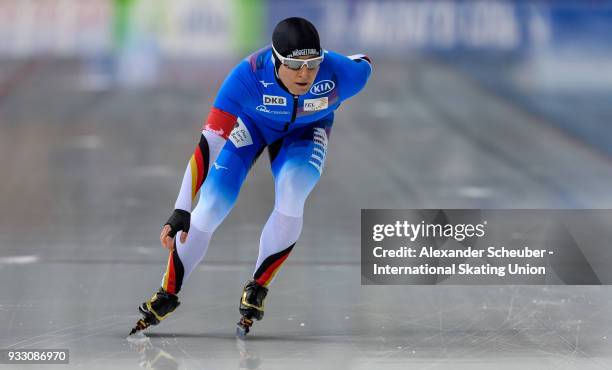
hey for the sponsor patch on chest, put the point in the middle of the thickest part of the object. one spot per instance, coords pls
(274, 100)
(315, 104)
(240, 135)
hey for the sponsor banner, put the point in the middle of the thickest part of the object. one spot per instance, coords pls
(198, 28)
(486, 247)
(183, 28)
(208, 28)
(57, 27)
(398, 27)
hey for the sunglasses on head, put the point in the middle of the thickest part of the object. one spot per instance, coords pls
(297, 64)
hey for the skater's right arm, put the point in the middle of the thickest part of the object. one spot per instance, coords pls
(217, 127)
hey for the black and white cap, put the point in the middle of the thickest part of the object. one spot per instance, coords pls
(295, 37)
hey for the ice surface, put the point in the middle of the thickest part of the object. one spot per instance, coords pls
(92, 175)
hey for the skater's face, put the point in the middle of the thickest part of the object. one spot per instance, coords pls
(298, 82)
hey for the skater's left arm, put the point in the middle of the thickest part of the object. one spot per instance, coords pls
(353, 72)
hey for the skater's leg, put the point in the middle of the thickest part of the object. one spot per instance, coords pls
(277, 240)
(297, 165)
(217, 196)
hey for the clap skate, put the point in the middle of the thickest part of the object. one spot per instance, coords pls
(251, 306)
(160, 306)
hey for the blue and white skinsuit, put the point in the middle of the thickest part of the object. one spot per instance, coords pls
(253, 110)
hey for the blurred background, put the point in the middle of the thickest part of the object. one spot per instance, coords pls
(472, 104)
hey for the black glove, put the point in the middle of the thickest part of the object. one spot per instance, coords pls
(179, 220)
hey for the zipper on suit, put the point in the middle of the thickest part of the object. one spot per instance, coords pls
(294, 113)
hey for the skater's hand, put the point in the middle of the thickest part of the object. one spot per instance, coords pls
(179, 221)
(167, 241)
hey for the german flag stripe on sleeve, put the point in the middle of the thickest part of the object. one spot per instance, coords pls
(200, 163)
(205, 152)
(194, 176)
(199, 166)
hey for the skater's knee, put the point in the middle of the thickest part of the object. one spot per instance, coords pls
(293, 188)
(210, 212)
(290, 207)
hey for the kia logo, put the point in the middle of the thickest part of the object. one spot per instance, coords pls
(322, 87)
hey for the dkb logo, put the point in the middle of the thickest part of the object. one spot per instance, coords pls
(274, 100)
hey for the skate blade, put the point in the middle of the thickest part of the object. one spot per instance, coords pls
(243, 327)
(140, 325)
(241, 332)
(138, 339)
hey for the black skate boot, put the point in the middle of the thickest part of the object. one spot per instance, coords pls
(160, 306)
(251, 306)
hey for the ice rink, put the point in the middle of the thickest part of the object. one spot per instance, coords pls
(90, 174)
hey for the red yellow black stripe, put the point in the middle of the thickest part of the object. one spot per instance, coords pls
(199, 166)
(173, 278)
(270, 266)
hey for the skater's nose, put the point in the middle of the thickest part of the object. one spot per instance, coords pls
(305, 73)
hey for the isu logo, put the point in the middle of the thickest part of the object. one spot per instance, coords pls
(274, 100)
(240, 136)
(322, 87)
(315, 104)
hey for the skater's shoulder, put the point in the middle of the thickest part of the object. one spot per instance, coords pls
(242, 76)
(341, 61)
(257, 60)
